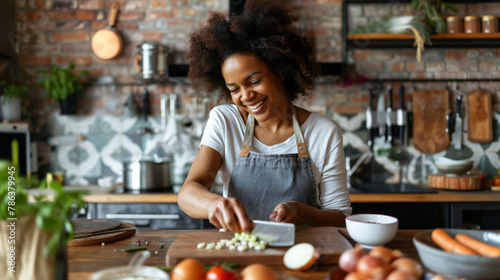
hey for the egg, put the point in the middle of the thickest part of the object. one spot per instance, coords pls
(257, 271)
(188, 269)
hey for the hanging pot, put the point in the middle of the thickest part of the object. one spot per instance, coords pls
(150, 60)
(147, 175)
(68, 105)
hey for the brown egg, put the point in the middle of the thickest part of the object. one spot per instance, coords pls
(257, 271)
(189, 269)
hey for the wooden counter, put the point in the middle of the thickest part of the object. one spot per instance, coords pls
(442, 196)
(85, 260)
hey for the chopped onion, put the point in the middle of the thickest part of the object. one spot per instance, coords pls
(300, 256)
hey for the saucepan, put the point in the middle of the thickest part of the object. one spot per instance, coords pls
(147, 175)
(133, 271)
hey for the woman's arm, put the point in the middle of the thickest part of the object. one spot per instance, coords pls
(196, 200)
(299, 213)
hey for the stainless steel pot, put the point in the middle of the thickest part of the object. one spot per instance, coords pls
(147, 175)
(150, 60)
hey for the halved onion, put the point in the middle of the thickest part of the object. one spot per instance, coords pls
(301, 256)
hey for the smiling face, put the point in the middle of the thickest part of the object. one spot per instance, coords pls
(254, 88)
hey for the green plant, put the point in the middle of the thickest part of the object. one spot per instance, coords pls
(52, 211)
(61, 83)
(12, 90)
(434, 10)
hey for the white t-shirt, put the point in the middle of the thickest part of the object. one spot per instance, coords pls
(224, 133)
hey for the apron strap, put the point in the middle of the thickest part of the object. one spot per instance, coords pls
(247, 139)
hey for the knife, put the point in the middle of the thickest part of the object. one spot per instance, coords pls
(388, 117)
(275, 234)
(371, 120)
(381, 115)
(457, 134)
(401, 118)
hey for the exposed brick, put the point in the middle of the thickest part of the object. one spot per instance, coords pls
(150, 15)
(62, 15)
(348, 109)
(415, 66)
(328, 56)
(395, 66)
(453, 75)
(91, 4)
(81, 36)
(135, 5)
(474, 9)
(130, 16)
(462, 65)
(358, 98)
(479, 75)
(493, 8)
(40, 49)
(434, 66)
(194, 12)
(155, 4)
(97, 25)
(382, 55)
(187, 23)
(72, 25)
(34, 60)
(487, 65)
(153, 36)
(366, 66)
(126, 26)
(377, 11)
(361, 54)
(421, 76)
(88, 15)
(79, 60)
(455, 54)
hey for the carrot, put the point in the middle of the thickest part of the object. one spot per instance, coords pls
(449, 244)
(484, 249)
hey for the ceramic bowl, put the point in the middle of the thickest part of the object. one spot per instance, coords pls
(371, 230)
(453, 167)
(454, 265)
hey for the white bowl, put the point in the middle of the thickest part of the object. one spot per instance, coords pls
(454, 265)
(455, 167)
(371, 230)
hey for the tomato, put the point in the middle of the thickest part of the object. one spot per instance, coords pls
(496, 181)
(219, 273)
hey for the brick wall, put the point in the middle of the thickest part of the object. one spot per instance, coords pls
(59, 31)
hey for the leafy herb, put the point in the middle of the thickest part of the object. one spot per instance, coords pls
(135, 249)
(226, 265)
(52, 212)
(61, 83)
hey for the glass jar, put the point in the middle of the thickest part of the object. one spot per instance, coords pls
(454, 24)
(490, 24)
(472, 24)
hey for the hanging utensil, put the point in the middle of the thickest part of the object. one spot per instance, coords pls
(401, 119)
(457, 134)
(107, 43)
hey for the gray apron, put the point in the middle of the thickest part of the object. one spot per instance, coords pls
(262, 181)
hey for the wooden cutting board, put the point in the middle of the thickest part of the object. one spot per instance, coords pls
(429, 120)
(86, 227)
(479, 116)
(330, 242)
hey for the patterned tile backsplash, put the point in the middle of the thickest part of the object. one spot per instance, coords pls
(109, 140)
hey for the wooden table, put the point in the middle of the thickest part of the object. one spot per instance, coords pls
(83, 261)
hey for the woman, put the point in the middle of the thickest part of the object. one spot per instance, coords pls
(278, 162)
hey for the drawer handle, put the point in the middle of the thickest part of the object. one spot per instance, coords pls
(144, 216)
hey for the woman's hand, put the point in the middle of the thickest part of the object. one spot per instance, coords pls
(288, 212)
(229, 214)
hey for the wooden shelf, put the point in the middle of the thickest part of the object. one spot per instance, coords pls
(388, 40)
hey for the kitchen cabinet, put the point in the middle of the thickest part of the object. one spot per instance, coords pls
(390, 41)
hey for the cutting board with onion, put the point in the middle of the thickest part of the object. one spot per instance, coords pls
(429, 120)
(479, 116)
(328, 240)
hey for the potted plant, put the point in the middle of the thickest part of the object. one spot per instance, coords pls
(11, 95)
(434, 11)
(62, 84)
(36, 230)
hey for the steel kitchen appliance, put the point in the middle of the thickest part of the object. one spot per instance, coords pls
(151, 60)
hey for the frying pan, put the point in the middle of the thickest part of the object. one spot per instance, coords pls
(107, 43)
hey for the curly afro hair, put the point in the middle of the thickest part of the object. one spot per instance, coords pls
(264, 28)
